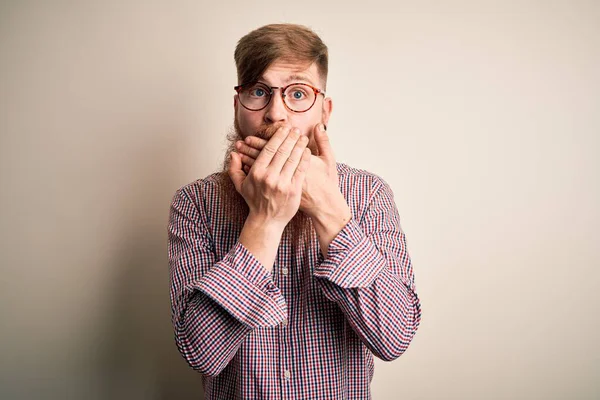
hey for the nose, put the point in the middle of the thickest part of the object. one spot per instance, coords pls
(276, 111)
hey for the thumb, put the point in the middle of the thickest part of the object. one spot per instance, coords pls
(235, 171)
(323, 143)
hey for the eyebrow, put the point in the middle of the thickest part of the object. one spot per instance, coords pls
(293, 78)
(298, 77)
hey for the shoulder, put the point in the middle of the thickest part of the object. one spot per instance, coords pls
(355, 178)
(201, 188)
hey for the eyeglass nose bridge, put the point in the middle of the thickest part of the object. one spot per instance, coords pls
(282, 94)
(272, 91)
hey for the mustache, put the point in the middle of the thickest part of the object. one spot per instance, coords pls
(266, 132)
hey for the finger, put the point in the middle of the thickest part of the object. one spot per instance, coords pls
(268, 152)
(300, 174)
(247, 169)
(287, 172)
(247, 160)
(235, 171)
(243, 148)
(323, 143)
(255, 141)
(284, 151)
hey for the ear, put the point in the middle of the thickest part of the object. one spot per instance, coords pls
(235, 102)
(327, 109)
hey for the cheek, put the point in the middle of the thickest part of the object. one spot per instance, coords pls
(306, 122)
(249, 121)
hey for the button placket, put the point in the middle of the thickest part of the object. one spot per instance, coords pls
(285, 350)
(283, 272)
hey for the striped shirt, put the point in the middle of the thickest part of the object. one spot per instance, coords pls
(309, 328)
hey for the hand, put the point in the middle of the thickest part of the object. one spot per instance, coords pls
(273, 186)
(321, 186)
(321, 198)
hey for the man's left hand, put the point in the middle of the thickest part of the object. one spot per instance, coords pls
(321, 196)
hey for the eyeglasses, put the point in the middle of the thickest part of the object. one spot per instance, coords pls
(297, 97)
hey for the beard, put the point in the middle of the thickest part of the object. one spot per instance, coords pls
(300, 227)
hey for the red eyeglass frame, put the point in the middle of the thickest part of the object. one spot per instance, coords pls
(317, 91)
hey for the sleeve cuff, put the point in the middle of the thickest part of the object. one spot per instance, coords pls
(352, 260)
(243, 287)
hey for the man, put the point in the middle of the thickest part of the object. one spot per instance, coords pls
(289, 271)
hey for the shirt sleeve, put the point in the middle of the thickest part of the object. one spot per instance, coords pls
(368, 272)
(215, 304)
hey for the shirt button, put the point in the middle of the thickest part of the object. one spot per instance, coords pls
(284, 323)
(287, 374)
(284, 271)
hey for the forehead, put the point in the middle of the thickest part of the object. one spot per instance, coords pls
(282, 72)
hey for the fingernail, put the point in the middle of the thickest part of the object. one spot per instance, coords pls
(322, 127)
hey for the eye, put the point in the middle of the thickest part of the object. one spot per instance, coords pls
(258, 92)
(297, 93)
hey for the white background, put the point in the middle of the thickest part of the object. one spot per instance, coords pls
(483, 117)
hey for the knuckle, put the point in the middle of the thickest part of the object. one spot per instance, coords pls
(281, 187)
(269, 150)
(253, 175)
(301, 168)
(270, 180)
(282, 152)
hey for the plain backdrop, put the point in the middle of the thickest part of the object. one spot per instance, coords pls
(484, 117)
